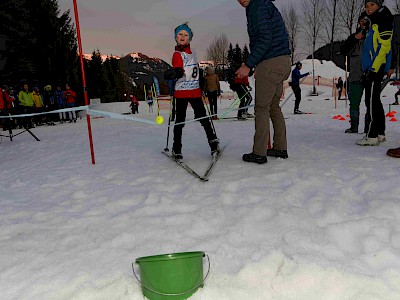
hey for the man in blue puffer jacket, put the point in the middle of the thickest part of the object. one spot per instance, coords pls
(270, 54)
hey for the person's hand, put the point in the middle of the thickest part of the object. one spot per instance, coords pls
(369, 76)
(243, 71)
(390, 72)
(359, 36)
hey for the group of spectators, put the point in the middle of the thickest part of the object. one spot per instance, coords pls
(36, 100)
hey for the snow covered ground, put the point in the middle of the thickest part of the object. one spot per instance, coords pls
(323, 224)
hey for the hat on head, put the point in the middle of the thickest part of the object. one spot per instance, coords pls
(185, 27)
(377, 2)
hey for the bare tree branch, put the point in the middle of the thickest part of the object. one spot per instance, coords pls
(330, 25)
(349, 11)
(291, 20)
(313, 18)
(217, 51)
(396, 6)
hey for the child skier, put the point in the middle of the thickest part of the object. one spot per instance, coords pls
(134, 104)
(187, 90)
(150, 101)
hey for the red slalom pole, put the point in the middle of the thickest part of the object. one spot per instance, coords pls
(85, 96)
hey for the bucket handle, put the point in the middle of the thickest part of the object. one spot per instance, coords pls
(178, 294)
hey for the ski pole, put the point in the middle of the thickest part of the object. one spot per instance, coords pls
(145, 99)
(209, 113)
(231, 107)
(169, 123)
(155, 97)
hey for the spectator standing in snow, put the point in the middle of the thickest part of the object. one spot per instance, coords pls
(376, 63)
(70, 97)
(6, 102)
(212, 88)
(352, 48)
(396, 96)
(49, 104)
(270, 54)
(339, 87)
(187, 90)
(296, 76)
(39, 106)
(60, 102)
(26, 105)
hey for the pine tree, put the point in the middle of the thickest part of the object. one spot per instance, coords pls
(41, 43)
(245, 53)
(112, 81)
(230, 57)
(94, 75)
(237, 57)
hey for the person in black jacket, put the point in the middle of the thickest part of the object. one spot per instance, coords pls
(295, 83)
(352, 48)
(339, 87)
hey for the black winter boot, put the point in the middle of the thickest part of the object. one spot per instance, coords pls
(214, 145)
(353, 127)
(252, 157)
(177, 151)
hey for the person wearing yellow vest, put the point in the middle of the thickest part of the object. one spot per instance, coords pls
(26, 106)
(39, 106)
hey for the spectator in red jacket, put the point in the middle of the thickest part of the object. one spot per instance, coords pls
(70, 97)
(241, 86)
(6, 102)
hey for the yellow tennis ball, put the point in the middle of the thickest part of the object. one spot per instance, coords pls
(159, 120)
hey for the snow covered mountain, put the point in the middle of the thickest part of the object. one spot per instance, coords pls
(142, 68)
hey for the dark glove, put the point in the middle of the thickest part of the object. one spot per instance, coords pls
(249, 88)
(252, 70)
(369, 76)
(174, 73)
(308, 73)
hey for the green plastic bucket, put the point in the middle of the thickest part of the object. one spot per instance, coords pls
(174, 276)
